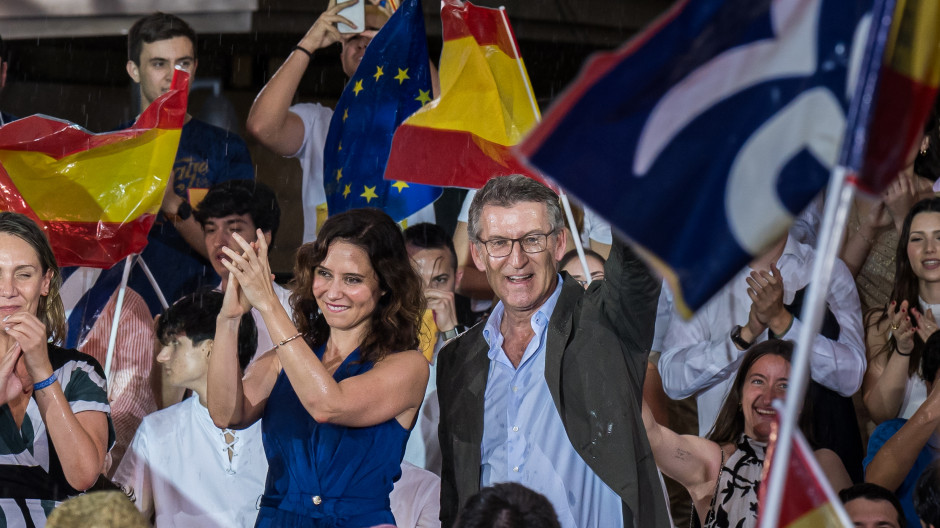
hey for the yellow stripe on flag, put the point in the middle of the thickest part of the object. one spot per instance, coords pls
(83, 187)
(916, 53)
(480, 80)
(823, 516)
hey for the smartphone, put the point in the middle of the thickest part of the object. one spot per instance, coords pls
(356, 14)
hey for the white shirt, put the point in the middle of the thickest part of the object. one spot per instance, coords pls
(700, 359)
(264, 337)
(416, 498)
(524, 437)
(316, 119)
(424, 447)
(178, 466)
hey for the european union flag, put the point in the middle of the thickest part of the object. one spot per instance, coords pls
(701, 138)
(392, 81)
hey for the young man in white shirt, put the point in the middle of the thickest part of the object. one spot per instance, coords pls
(180, 467)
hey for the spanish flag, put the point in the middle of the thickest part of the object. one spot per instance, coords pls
(907, 88)
(96, 195)
(486, 105)
(808, 500)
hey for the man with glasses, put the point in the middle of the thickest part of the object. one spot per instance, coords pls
(547, 392)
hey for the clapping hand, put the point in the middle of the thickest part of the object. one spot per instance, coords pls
(251, 272)
(901, 327)
(11, 385)
(926, 323)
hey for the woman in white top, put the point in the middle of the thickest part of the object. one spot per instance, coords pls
(895, 334)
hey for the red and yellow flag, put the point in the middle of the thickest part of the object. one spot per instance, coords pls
(96, 195)
(808, 500)
(907, 87)
(462, 138)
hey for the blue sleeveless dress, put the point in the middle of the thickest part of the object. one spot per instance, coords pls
(324, 475)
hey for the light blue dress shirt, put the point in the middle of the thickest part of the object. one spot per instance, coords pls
(524, 439)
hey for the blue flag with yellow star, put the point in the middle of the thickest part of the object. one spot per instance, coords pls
(392, 81)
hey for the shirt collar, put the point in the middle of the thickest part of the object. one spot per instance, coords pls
(539, 321)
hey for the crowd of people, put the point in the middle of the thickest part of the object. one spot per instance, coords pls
(415, 377)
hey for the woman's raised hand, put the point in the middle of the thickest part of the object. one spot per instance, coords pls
(252, 272)
(11, 385)
(926, 323)
(30, 335)
(901, 328)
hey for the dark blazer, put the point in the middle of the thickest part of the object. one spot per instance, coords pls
(596, 351)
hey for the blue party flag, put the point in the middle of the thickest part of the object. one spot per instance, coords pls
(704, 136)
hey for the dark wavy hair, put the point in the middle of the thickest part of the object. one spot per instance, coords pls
(730, 422)
(906, 286)
(50, 309)
(397, 317)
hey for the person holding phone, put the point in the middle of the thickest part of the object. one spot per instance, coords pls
(299, 131)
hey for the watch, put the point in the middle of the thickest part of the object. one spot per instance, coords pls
(737, 339)
(184, 211)
(450, 334)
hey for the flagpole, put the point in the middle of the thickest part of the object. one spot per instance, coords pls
(118, 306)
(153, 281)
(575, 236)
(838, 202)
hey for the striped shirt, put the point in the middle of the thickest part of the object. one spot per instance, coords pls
(32, 481)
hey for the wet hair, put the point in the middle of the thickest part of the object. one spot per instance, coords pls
(906, 286)
(50, 309)
(573, 255)
(730, 422)
(873, 492)
(397, 316)
(154, 27)
(506, 191)
(926, 495)
(194, 316)
(507, 505)
(238, 197)
(431, 236)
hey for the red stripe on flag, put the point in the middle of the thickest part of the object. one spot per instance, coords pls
(471, 160)
(113, 241)
(896, 128)
(485, 25)
(57, 138)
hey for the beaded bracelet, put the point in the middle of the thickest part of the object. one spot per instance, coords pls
(288, 340)
(305, 50)
(45, 383)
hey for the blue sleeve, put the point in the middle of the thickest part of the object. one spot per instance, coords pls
(879, 436)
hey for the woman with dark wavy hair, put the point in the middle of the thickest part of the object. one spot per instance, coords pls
(340, 390)
(895, 334)
(722, 472)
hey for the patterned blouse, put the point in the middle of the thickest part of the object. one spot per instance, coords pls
(734, 504)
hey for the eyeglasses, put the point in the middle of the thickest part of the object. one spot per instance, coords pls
(531, 243)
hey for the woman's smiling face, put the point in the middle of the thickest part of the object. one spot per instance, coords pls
(765, 382)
